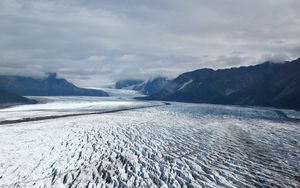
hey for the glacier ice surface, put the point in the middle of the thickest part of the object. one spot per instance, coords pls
(177, 145)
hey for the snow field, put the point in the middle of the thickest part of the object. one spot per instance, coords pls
(169, 146)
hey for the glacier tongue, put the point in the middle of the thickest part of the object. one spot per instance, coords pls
(170, 146)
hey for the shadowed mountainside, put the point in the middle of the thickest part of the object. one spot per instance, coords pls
(127, 84)
(148, 87)
(267, 84)
(153, 85)
(49, 86)
(7, 99)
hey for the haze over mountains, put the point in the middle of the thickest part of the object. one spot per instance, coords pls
(147, 87)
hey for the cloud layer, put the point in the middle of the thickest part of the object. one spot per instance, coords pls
(96, 42)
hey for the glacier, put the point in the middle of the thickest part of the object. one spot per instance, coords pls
(175, 145)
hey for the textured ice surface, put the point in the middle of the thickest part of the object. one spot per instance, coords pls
(179, 145)
(56, 106)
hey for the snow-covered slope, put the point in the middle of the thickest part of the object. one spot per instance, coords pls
(185, 84)
(179, 145)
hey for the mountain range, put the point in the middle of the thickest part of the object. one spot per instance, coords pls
(128, 84)
(268, 84)
(147, 87)
(48, 86)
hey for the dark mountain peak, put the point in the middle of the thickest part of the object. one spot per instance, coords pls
(128, 83)
(201, 71)
(266, 84)
(48, 86)
(197, 75)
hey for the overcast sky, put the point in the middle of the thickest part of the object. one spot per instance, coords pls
(94, 43)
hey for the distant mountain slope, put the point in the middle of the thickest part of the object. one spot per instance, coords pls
(127, 84)
(49, 86)
(7, 98)
(152, 86)
(148, 87)
(267, 84)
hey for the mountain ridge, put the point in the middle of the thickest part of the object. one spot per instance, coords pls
(267, 84)
(147, 87)
(48, 86)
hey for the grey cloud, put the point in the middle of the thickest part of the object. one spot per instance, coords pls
(96, 42)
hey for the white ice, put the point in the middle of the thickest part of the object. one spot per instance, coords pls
(55, 106)
(178, 145)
